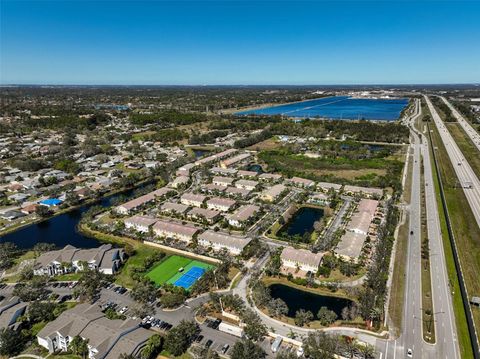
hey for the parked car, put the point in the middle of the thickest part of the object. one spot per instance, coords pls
(209, 343)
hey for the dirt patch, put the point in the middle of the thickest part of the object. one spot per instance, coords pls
(269, 144)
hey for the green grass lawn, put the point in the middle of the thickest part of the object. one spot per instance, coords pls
(167, 271)
(124, 278)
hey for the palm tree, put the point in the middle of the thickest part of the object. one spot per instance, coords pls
(79, 346)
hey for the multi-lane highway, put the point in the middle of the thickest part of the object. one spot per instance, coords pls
(445, 328)
(465, 174)
(470, 131)
(446, 344)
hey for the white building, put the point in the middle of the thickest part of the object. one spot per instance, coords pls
(191, 199)
(221, 204)
(301, 259)
(175, 230)
(140, 223)
(218, 241)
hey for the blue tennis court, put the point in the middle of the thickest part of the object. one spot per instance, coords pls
(190, 277)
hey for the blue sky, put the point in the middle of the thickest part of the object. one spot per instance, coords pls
(230, 42)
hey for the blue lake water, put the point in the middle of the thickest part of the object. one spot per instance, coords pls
(62, 229)
(302, 221)
(338, 107)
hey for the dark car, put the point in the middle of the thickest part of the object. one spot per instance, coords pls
(209, 343)
(199, 339)
(411, 232)
(216, 323)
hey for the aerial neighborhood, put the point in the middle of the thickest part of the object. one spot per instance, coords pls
(149, 231)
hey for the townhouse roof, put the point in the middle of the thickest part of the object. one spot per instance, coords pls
(243, 173)
(244, 213)
(368, 190)
(246, 183)
(203, 212)
(302, 181)
(270, 176)
(243, 192)
(351, 244)
(219, 201)
(301, 256)
(327, 185)
(274, 191)
(193, 197)
(141, 221)
(224, 171)
(172, 227)
(224, 239)
(236, 159)
(221, 179)
(174, 207)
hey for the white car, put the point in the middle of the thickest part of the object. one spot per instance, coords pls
(409, 353)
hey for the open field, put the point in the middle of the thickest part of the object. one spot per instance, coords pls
(269, 144)
(168, 270)
(465, 230)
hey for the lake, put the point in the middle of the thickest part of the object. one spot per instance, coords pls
(302, 221)
(60, 230)
(199, 153)
(299, 299)
(337, 107)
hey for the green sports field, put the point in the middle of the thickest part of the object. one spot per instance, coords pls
(167, 271)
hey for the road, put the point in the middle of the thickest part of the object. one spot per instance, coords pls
(470, 131)
(465, 174)
(446, 345)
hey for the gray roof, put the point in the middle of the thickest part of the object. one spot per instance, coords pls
(224, 239)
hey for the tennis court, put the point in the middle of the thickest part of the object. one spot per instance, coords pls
(168, 271)
(190, 277)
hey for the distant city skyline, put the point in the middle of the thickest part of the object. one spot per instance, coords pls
(239, 43)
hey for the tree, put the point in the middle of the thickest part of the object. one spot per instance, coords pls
(43, 211)
(319, 345)
(254, 328)
(172, 300)
(89, 284)
(144, 291)
(326, 316)
(42, 247)
(277, 307)
(10, 342)
(141, 310)
(41, 311)
(180, 338)
(247, 349)
(8, 252)
(33, 290)
(79, 346)
(153, 347)
(303, 317)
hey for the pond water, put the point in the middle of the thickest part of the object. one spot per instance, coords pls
(255, 168)
(302, 221)
(299, 299)
(338, 107)
(62, 229)
(199, 153)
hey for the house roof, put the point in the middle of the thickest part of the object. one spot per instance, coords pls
(171, 227)
(203, 212)
(174, 207)
(224, 239)
(301, 256)
(244, 212)
(351, 244)
(218, 201)
(141, 220)
(193, 197)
